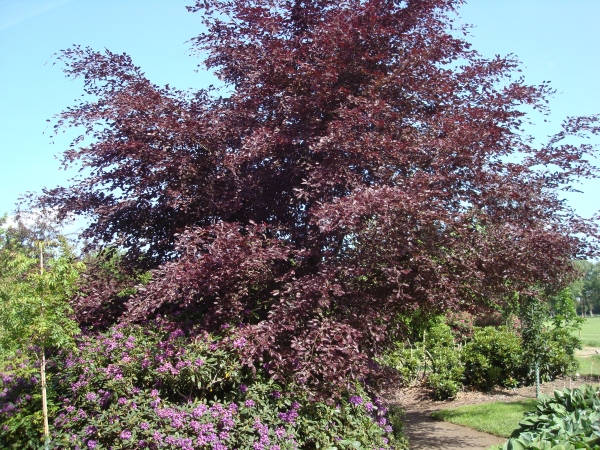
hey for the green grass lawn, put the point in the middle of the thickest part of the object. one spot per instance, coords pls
(590, 337)
(590, 332)
(589, 366)
(496, 418)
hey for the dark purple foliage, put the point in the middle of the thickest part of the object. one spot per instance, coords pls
(365, 162)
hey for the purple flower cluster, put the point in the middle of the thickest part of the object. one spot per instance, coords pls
(263, 433)
(130, 344)
(113, 371)
(356, 400)
(7, 378)
(200, 410)
(177, 418)
(167, 367)
(125, 435)
(78, 385)
(240, 343)
(264, 441)
(291, 415)
(206, 433)
(180, 442)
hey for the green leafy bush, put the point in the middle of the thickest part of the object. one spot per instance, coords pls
(492, 357)
(449, 352)
(443, 385)
(444, 357)
(150, 387)
(569, 420)
(407, 361)
(436, 361)
(561, 355)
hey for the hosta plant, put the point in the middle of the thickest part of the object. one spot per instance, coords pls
(569, 420)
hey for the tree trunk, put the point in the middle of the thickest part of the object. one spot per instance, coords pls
(537, 380)
(44, 399)
(43, 372)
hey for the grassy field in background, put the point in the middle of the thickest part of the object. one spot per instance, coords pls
(496, 418)
(590, 332)
(589, 365)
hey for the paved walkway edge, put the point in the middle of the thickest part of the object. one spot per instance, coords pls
(425, 433)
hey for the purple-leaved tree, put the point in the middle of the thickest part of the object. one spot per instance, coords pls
(363, 162)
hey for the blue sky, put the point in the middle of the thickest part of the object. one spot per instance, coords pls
(556, 40)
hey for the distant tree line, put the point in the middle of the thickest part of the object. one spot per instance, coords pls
(584, 292)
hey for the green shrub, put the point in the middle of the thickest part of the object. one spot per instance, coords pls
(492, 357)
(452, 352)
(407, 361)
(569, 420)
(436, 360)
(561, 356)
(446, 371)
(443, 385)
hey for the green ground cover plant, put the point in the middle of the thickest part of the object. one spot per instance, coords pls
(568, 420)
(498, 418)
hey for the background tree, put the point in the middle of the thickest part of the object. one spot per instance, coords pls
(362, 162)
(563, 307)
(590, 291)
(585, 289)
(34, 294)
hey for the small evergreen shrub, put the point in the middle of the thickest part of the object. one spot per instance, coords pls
(560, 356)
(446, 368)
(407, 361)
(451, 352)
(492, 357)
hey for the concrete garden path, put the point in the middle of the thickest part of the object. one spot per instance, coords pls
(424, 433)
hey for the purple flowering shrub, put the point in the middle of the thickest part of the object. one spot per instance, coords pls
(21, 401)
(163, 387)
